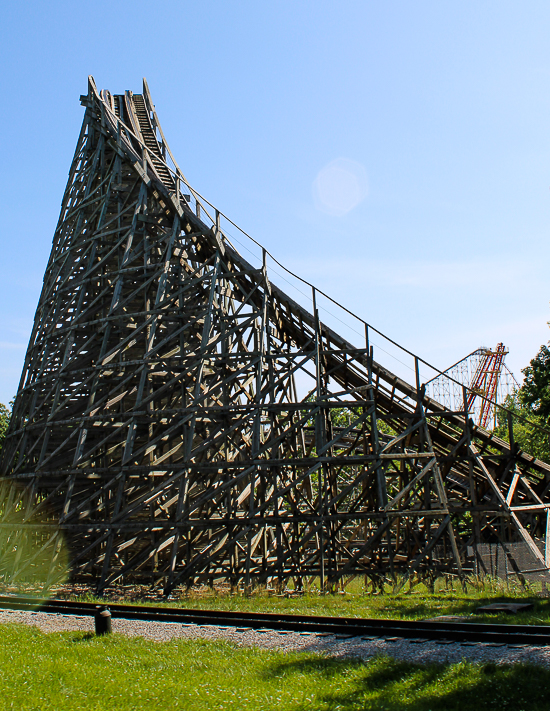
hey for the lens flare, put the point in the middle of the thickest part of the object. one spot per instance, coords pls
(33, 551)
(340, 186)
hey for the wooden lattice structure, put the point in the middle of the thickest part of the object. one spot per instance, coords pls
(180, 419)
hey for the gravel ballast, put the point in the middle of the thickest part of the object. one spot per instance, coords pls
(409, 650)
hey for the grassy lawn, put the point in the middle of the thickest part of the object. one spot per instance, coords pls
(76, 671)
(417, 604)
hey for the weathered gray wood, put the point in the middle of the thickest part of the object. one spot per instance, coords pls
(159, 429)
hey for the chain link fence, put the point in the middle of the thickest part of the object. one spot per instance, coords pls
(509, 561)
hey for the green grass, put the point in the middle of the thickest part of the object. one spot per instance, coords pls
(418, 604)
(75, 671)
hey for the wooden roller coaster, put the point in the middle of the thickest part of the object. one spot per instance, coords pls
(181, 420)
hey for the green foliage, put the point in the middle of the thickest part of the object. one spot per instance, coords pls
(527, 435)
(385, 428)
(4, 422)
(78, 671)
(530, 406)
(344, 416)
(535, 391)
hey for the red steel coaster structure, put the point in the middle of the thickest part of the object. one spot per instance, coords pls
(489, 383)
(181, 419)
(485, 382)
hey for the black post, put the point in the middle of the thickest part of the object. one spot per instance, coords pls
(102, 620)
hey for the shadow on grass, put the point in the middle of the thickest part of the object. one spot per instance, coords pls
(385, 684)
(540, 614)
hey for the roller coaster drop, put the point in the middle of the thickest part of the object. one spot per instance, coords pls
(181, 420)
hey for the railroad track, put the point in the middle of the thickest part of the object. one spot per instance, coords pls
(347, 626)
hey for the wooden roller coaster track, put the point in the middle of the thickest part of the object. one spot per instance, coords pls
(181, 419)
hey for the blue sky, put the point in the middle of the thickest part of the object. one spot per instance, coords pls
(431, 119)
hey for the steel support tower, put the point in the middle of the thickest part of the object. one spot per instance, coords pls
(181, 420)
(485, 383)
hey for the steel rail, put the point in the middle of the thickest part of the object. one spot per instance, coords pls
(474, 632)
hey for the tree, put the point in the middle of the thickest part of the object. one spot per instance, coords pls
(526, 427)
(4, 422)
(530, 407)
(535, 391)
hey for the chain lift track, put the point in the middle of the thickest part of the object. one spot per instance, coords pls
(181, 420)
